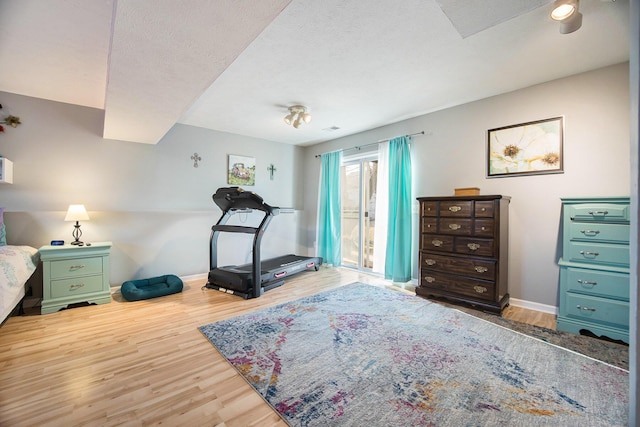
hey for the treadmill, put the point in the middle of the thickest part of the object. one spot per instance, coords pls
(250, 280)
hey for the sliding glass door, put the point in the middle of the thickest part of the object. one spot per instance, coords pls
(359, 177)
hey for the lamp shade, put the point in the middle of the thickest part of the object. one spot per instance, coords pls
(76, 213)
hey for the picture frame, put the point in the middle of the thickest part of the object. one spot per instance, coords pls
(241, 170)
(531, 148)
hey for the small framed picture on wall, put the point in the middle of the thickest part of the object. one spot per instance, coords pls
(241, 170)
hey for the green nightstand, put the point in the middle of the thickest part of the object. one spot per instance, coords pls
(73, 274)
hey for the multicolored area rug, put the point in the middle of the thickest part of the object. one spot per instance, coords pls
(361, 355)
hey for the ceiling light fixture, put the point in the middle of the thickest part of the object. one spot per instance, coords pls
(297, 115)
(566, 12)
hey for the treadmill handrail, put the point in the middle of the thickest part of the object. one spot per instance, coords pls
(234, 229)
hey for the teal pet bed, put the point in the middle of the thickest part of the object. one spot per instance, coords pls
(136, 290)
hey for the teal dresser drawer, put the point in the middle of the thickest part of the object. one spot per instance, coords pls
(599, 232)
(595, 309)
(591, 253)
(598, 283)
(76, 267)
(75, 286)
(600, 212)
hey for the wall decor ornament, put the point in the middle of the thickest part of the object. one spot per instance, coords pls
(531, 148)
(196, 158)
(241, 170)
(9, 120)
(272, 170)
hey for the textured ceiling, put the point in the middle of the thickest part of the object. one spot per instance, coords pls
(236, 65)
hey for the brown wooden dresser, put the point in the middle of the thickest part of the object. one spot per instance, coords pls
(463, 250)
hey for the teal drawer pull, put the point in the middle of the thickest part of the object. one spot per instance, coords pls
(75, 267)
(590, 232)
(587, 253)
(579, 307)
(587, 282)
(74, 287)
(598, 212)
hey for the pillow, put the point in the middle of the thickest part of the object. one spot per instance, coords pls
(3, 231)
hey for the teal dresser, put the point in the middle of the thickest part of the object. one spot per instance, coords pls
(74, 274)
(594, 267)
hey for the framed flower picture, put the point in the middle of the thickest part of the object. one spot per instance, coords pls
(531, 148)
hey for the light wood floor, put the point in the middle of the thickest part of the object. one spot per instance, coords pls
(145, 363)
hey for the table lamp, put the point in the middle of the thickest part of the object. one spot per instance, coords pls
(77, 213)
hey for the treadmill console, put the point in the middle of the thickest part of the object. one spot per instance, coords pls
(235, 198)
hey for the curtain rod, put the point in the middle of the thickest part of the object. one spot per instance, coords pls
(367, 145)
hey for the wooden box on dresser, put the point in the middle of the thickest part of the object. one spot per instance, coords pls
(594, 267)
(463, 249)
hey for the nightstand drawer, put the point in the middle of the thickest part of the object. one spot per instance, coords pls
(601, 212)
(76, 267)
(606, 254)
(596, 309)
(599, 232)
(75, 286)
(606, 284)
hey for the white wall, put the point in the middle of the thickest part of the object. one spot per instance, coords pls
(453, 154)
(148, 200)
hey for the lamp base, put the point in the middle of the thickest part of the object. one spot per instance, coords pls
(77, 242)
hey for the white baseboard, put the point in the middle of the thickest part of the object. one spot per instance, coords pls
(201, 276)
(550, 309)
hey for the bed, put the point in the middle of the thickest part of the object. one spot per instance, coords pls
(17, 264)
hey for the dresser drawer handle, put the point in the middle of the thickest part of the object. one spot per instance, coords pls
(587, 253)
(480, 269)
(473, 246)
(455, 208)
(430, 261)
(598, 212)
(429, 279)
(76, 267)
(590, 232)
(587, 282)
(78, 286)
(455, 226)
(436, 242)
(480, 289)
(579, 307)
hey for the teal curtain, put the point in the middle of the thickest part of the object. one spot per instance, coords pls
(329, 245)
(398, 258)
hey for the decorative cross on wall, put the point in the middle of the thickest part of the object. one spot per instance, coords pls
(195, 159)
(271, 170)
